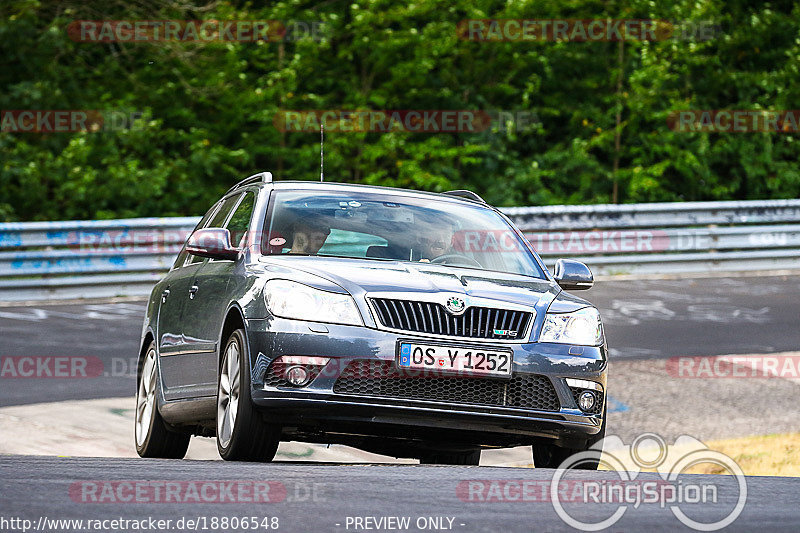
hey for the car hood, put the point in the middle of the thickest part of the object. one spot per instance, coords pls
(359, 277)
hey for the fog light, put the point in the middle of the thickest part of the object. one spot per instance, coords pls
(586, 400)
(297, 376)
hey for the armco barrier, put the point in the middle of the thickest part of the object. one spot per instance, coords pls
(88, 259)
(667, 238)
(84, 259)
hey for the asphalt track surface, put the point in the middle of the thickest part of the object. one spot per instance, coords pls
(644, 319)
(321, 497)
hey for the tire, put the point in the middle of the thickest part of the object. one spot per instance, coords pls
(472, 458)
(152, 436)
(547, 455)
(242, 435)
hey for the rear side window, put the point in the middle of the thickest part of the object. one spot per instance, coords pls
(240, 220)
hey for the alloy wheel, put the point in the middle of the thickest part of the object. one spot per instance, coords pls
(228, 394)
(146, 398)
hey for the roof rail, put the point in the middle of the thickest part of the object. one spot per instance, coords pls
(261, 177)
(463, 193)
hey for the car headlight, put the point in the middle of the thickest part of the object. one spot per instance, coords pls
(289, 299)
(580, 327)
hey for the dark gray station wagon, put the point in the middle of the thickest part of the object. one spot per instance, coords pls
(404, 323)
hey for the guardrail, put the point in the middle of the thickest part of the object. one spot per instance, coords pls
(667, 238)
(85, 259)
(88, 259)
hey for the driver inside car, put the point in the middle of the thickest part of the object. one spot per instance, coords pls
(308, 236)
(438, 242)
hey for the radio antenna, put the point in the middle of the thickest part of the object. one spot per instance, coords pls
(321, 152)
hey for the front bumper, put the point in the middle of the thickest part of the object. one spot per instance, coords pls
(317, 412)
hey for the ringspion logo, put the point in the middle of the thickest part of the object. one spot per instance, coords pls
(674, 490)
(623, 489)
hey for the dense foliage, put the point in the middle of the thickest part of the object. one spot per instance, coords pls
(601, 108)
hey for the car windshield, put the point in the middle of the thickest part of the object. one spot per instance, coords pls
(393, 227)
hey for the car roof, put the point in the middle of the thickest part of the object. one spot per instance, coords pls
(357, 187)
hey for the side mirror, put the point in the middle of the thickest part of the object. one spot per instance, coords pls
(212, 242)
(573, 275)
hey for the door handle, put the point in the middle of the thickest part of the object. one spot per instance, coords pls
(164, 295)
(192, 291)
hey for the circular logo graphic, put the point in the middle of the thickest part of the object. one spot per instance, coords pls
(455, 305)
(666, 488)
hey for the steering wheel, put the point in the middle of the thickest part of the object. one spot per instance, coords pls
(456, 259)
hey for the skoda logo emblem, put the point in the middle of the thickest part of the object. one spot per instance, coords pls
(455, 305)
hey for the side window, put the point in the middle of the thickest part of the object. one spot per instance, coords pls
(240, 220)
(217, 221)
(203, 221)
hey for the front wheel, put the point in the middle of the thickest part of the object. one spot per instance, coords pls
(242, 435)
(153, 437)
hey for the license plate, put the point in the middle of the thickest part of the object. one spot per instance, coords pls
(455, 359)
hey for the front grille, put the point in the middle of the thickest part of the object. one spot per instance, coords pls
(598, 406)
(433, 318)
(381, 378)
